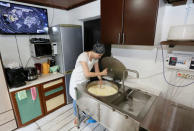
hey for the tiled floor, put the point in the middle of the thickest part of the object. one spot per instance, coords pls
(61, 120)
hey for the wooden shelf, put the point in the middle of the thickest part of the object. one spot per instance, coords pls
(176, 3)
(179, 3)
(173, 43)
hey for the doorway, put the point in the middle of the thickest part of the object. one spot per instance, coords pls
(92, 35)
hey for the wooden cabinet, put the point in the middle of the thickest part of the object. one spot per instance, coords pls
(53, 95)
(140, 22)
(134, 20)
(50, 96)
(111, 21)
(26, 109)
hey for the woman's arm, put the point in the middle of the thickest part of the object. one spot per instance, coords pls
(97, 70)
(87, 73)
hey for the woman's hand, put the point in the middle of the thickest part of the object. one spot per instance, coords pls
(104, 72)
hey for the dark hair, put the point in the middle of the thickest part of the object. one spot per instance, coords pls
(99, 48)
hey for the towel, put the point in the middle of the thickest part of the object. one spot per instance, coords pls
(33, 93)
(22, 95)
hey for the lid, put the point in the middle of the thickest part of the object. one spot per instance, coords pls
(115, 68)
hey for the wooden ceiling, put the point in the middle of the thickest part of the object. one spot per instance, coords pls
(60, 4)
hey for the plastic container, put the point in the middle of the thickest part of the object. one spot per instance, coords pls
(181, 33)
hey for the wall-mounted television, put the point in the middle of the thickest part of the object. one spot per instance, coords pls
(22, 19)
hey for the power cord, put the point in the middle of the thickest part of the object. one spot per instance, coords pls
(28, 61)
(188, 10)
(165, 75)
(52, 17)
(18, 50)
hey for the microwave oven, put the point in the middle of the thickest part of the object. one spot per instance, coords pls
(41, 49)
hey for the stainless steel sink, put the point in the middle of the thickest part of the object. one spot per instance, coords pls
(135, 103)
(122, 111)
(131, 102)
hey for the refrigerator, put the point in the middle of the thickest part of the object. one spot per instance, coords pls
(68, 41)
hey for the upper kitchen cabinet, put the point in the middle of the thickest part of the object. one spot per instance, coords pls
(137, 21)
(111, 21)
(140, 18)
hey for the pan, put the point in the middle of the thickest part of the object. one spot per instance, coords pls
(104, 83)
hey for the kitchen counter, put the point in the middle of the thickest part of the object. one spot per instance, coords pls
(166, 115)
(97, 106)
(162, 115)
(41, 79)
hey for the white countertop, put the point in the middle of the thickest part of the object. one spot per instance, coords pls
(41, 79)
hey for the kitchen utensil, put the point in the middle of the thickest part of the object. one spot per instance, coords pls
(104, 83)
(107, 78)
(45, 68)
(115, 68)
(38, 68)
(52, 62)
(31, 73)
(54, 69)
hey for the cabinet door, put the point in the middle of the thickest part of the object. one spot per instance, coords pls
(116, 121)
(54, 99)
(28, 109)
(111, 21)
(140, 18)
(53, 95)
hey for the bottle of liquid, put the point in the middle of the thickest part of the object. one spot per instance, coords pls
(45, 68)
(52, 62)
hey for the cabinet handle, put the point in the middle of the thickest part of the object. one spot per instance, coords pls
(123, 39)
(119, 38)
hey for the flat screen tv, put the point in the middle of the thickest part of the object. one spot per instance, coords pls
(22, 19)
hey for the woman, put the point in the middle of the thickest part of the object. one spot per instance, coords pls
(82, 72)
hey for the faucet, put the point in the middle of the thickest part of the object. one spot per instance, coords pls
(128, 70)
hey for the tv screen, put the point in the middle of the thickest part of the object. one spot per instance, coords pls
(22, 19)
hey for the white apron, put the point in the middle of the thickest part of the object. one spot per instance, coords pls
(78, 76)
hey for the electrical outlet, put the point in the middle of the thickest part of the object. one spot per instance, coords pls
(185, 75)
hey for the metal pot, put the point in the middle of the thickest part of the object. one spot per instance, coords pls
(108, 83)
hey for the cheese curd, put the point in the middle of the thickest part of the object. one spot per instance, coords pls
(104, 90)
